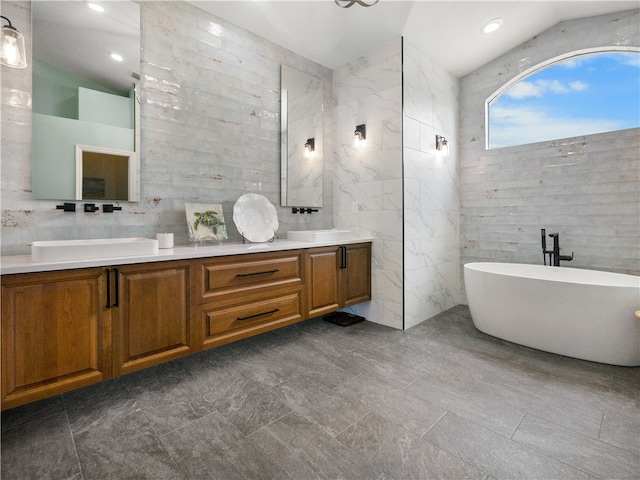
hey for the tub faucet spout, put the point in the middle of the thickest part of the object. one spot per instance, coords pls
(545, 252)
(555, 255)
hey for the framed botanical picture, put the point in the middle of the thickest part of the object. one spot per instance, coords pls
(205, 222)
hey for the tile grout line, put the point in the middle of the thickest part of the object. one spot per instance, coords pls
(518, 426)
(73, 438)
(422, 437)
(533, 448)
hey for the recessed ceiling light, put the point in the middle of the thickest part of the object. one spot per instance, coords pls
(116, 56)
(492, 26)
(95, 7)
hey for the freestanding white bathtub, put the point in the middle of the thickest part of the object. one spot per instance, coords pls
(578, 313)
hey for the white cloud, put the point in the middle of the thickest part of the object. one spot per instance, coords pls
(519, 126)
(628, 59)
(539, 88)
(576, 61)
(578, 86)
(524, 90)
(553, 86)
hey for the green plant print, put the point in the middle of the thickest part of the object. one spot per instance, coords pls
(208, 219)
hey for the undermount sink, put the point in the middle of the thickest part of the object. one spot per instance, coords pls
(318, 235)
(64, 250)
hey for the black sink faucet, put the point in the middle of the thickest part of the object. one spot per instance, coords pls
(554, 255)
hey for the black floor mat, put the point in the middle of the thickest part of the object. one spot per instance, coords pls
(343, 318)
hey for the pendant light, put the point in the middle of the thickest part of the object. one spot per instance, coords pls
(12, 51)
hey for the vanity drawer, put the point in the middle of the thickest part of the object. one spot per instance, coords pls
(235, 322)
(228, 278)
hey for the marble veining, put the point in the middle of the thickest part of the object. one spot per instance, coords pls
(431, 208)
(368, 90)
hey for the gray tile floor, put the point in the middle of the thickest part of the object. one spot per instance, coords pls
(316, 400)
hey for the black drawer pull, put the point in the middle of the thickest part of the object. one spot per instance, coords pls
(117, 292)
(258, 314)
(108, 272)
(343, 257)
(266, 272)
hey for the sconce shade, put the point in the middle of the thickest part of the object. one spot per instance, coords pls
(12, 51)
(360, 134)
(441, 143)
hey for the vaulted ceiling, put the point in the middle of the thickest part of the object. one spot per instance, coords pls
(449, 31)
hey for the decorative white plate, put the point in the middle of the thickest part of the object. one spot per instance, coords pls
(255, 217)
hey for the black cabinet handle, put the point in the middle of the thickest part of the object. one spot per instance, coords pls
(258, 314)
(343, 257)
(108, 305)
(117, 279)
(266, 272)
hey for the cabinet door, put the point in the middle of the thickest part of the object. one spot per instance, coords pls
(151, 315)
(338, 277)
(55, 333)
(356, 276)
(323, 289)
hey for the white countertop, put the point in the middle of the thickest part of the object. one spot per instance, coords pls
(11, 264)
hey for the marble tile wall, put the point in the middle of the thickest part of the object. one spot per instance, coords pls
(369, 178)
(586, 188)
(431, 207)
(210, 131)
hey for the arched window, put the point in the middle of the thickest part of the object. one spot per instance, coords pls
(580, 93)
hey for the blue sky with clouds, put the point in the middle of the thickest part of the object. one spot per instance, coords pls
(588, 94)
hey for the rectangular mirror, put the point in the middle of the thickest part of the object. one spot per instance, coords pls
(301, 139)
(81, 96)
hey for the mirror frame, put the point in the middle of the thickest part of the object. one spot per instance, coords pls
(284, 145)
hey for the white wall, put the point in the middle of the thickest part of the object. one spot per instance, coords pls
(210, 109)
(210, 131)
(407, 194)
(431, 210)
(586, 188)
(369, 90)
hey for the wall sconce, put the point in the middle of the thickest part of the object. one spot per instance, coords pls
(309, 147)
(360, 134)
(12, 52)
(441, 143)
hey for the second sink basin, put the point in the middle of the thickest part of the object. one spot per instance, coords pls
(318, 235)
(65, 250)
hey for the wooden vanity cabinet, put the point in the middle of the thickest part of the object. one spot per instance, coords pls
(338, 277)
(66, 329)
(247, 294)
(55, 333)
(151, 312)
(323, 288)
(356, 274)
